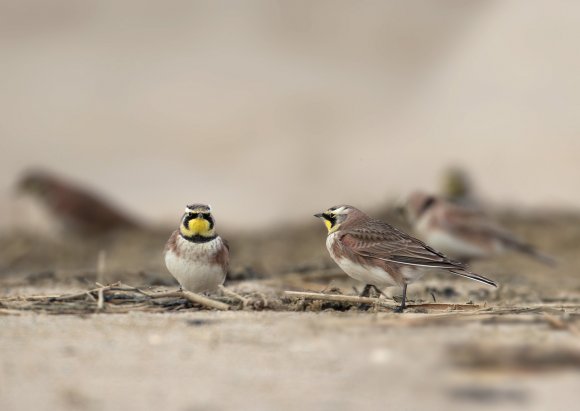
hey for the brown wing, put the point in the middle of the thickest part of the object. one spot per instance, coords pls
(223, 256)
(226, 243)
(377, 239)
(172, 243)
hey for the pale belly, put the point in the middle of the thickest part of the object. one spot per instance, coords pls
(195, 271)
(366, 274)
(369, 274)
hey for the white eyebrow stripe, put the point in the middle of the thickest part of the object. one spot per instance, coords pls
(200, 208)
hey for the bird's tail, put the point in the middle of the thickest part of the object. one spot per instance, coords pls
(473, 276)
(529, 250)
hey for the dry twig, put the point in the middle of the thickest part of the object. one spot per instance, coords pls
(376, 301)
(121, 298)
(193, 297)
(234, 295)
(336, 298)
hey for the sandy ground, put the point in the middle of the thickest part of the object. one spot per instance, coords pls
(517, 348)
(265, 361)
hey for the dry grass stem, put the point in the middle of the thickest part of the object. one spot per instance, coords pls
(377, 301)
(113, 298)
(336, 298)
(194, 298)
(234, 295)
(101, 266)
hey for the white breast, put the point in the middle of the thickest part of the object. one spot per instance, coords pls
(194, 267)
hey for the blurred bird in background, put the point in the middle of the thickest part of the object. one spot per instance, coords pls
(462, 232)
(75, 209)
(457, 187)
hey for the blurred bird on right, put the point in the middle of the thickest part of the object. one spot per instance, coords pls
(462, 232)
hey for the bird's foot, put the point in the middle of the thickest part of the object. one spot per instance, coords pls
(399, 309)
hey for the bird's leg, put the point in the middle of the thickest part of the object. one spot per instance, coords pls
(402, 307)
(367, 290)
(379, 292)
(433, 296)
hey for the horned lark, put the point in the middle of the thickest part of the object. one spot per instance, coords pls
(380, 255)
(195, 255)
(461, 232)
(75, 209)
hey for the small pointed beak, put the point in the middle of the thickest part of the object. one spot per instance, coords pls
(319, 215)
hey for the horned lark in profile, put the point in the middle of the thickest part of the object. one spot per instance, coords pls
(462, 232)
(195, 255)
(380, 255)
(75, 209)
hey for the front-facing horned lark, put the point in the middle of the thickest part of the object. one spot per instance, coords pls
(379, 254)
(195, 255)
(462, 232)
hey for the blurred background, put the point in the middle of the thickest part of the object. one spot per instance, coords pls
(271, 111)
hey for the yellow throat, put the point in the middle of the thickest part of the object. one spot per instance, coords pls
(196, 226)
(331, 228)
